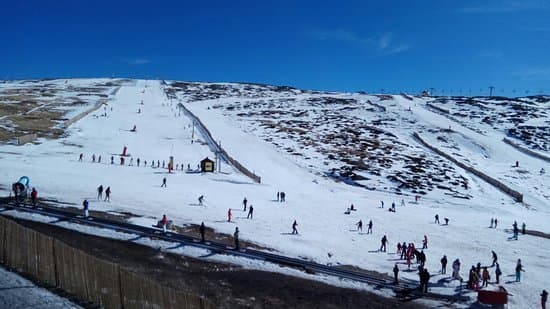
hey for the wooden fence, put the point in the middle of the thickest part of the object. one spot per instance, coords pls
(526, 151)
(107, 284)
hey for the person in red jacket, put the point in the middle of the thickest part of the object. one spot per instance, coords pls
(34, 196)
(164, 221)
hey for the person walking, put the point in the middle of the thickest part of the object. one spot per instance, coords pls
(425, 242)
(359, 225)
(85, 205)
(294, 229)
(498, 273)
(495, 258)
(250, 212)
(108, 194)
(202, 229)
(229, 215)
(236, 238)
(383, 242)
(395, 272)
(100, 192)
(519, 269)
(444, 265)
(245, 201)
(163, 182)
(369, 230)
(436, 218)
(201, 199)
(543, 299)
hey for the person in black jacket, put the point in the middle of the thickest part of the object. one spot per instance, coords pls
(444, 264)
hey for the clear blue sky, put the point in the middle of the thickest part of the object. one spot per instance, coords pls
(329, 45)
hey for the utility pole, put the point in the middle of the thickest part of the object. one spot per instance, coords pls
(491, 91)
(193, 132)
(432, 91)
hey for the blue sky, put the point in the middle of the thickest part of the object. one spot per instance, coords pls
(458, 46)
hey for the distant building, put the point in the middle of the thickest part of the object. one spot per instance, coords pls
(207, 165)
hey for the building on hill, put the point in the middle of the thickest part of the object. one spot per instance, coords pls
(207, 165)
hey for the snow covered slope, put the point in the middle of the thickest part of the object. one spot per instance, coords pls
(304, 143)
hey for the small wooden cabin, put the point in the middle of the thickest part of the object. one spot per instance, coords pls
(207, 165)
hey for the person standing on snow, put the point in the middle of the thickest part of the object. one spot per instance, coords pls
(456, 269)
(485, 276)
(202, 229)
(519, 269)
(250, 212)
(444, 265)
(492, 223)
(100, 192)
(229, 215)
(163, 222)
(85, 205)
(495, 258)
(369, 230)
(395, 272)
(381, 204)
(294, 229)
(236, 237)
(523, 228)
(543, 299)
(163, 182)
(359, 225)
(425, 242)
(436, 218)
(244, 203)
(201, 199)
(496, 222)
(34, 196)
(108, 194)
(383, 242)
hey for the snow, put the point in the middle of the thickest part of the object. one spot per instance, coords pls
(316, 202)
(18, 292)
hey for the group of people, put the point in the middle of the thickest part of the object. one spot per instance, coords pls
(107, 193)
(157, 163)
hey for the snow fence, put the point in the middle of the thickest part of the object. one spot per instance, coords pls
(496, 183)
(107, 284)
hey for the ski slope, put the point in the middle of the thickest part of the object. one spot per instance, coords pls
(315, 201)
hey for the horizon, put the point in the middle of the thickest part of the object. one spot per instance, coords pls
(457, 49)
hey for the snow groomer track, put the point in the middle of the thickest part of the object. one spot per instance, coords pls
(405, 289)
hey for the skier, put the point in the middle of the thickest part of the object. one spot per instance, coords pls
(236, 237)
(425, 242)
(244, 204)
(485, 276)
(202, 229)
(138, 161)
(278, 195)
(85, 205)
(100, 192)
(523, 228)
(422, 258)
(516, 230)
(383, 242)
(543, 299)
(80, 157)
(99, 159)
(446, 221)
(403, 250)
(496, 222)
(112, 160)
(436, 218)
(250, 211)
(163, 222)
(498, 273)
(229, 215)
(294, 229)
(34, 196)
(444, 265)
(381, 204)
(201, 199)
(395, 272)
(393, 205)
(492, 222)
(163, 182)
(359, 225)
(519, 269)
(369, 230)
(93, 158)
(283, 197)
(163, 163)
(108, 194)
(495, 258)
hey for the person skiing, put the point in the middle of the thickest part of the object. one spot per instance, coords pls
(100, 192)
(85, 205)
(244, 204)
(163, 222)
(395, 272)
(485, 276)
(369, 230)
(495, 258)
(383, 242)
(425, 242)
(202, 229)
(163, 182)
(543, 299)
(236, 237)
(359, 225)
(519, 269)
(34, 196)
(229, 215)
(294, 229)
(108, 194)
(498, 273)
(436, 218)
(201, 199)
(444, 265)
(250, 212)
